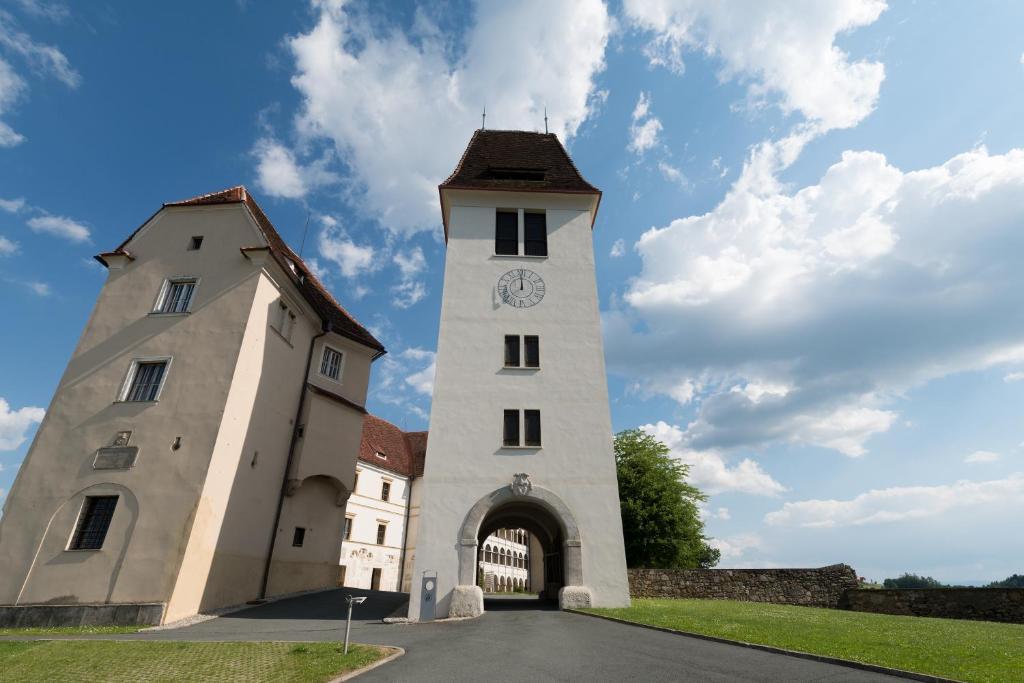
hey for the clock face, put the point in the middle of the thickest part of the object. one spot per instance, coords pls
(521, 288)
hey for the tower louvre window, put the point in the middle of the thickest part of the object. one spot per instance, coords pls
(532, 344)
(511, 430)
(506, 233)
(532, 427)
(93, 523)
(535, 235)
(511, 350)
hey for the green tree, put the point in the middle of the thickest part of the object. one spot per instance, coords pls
(1014, 581)
(913, 581)
(660, 519)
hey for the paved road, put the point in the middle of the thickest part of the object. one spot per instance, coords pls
(510, 644)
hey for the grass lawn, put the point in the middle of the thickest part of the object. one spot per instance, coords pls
(953, 648)
(107, 660)
(68, 630)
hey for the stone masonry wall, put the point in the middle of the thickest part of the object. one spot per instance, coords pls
(988, 604)
(822, 587)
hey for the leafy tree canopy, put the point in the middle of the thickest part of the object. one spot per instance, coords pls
(660, 518)
(1015, 581)
(913, 581)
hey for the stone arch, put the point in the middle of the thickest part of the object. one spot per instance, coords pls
(534, 511)
(342, 491)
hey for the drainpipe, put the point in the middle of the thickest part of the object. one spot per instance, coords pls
(405, 537)
(288, 462)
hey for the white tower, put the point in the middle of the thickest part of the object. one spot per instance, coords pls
(520, 432)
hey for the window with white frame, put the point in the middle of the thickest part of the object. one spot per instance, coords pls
(176, 295)
(330, 364)
(93, 522)
(145, 379)
(284, 320)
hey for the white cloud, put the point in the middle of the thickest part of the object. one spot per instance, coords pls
(12, 205)
(335, 246)
(673, 174)
(779, 47)
(410, 263)
(7, 247)
(370, 92)
(54, 11)
(645, 128)
(12, 88)
(408, 293)
(1014, 377)
(422, 381)
(708, 469)
(899, 503)
(280, 174)
(981, 457)
(847, 292)
(14, 424)
(39, 288)
(59, 226)
(716, 165)
(618, 248)
(733, 548)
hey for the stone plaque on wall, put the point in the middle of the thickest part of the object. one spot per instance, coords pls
(115, 458)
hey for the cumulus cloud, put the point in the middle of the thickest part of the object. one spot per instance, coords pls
(335, 245)
(618, 248)
(673, 174)
(845, 293)
(12, 205)
(783, 49)
(899, 503)
(410, 263)
(1014, 377)
(735, 547)
(280, 174)
(39, 288)
(709, 470)
(645, 127)
(981, 457)
(408, 293)
(369, 92)
(405, 379)
(59, 226)
(14, 424)
(7, 247)
(422, 381)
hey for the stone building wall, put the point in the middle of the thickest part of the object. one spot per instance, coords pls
(821, 587)
(987, 604)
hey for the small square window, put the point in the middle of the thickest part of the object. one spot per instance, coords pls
(532, 344)
(176, 296)
(385, 491)
(511, 428)
(348, 528)
(196, 243)
(535, 234)
(511, 350)
(299, 537)
(506, 233)
(532, 419)
(93, 523)
(145, 381)
(382, 530)
(330, 364)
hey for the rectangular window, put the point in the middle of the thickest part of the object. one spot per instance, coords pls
(299, 537)
(146, 379)
(284, 321)
(506, 233)
(93, 522)
(382, 530)
(511, 350)
(385, 491)
(511, 431)
(532, 344)
(348, 528)
(330, 365)
(176, 296)
(532, 427)
(196, 243)
(535, 233)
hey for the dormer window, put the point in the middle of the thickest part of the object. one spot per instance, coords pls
(382, 455)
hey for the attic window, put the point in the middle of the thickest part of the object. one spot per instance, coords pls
(513, 174)
(196, 243)
(382, 455)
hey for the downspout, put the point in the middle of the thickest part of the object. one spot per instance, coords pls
(405, 537)
(291, 458)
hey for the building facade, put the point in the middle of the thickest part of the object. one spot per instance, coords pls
(520, 427)
(201, 445)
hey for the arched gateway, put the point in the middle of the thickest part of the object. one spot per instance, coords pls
(520, 431)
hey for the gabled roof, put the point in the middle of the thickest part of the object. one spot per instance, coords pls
(404, 451)
(517, 160)
(303, 278)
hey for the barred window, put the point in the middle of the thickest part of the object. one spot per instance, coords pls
(330, 365)
(348, 528)
(385, 491)
(93, 522)
(382, 530)
(176, 296)
(146, 379)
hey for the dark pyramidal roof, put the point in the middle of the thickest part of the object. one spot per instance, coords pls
(517, 160)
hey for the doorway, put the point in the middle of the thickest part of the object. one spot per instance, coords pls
(375, 579)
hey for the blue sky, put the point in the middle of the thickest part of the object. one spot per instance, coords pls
(808, 247)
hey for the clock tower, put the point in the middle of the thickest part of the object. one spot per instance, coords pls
(520, 431)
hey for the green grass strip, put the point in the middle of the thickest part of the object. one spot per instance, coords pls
(974, 651)
(116, 661)
(69, 630)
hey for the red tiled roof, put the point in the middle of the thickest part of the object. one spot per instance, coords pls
(404, 451)
(325, 305)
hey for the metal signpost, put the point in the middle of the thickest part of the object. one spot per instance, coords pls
(348, 625)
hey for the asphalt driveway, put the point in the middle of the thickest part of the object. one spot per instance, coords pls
(511, 644)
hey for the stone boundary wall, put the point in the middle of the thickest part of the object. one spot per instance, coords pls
(987, 604)
(821, 587)
(52, 616)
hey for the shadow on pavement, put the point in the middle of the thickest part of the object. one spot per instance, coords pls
(500, 603)
(330, 605)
